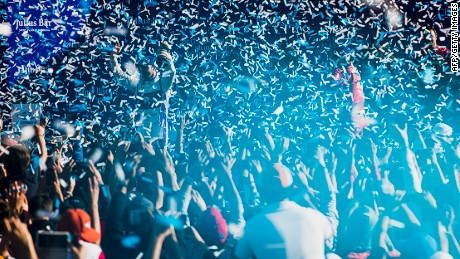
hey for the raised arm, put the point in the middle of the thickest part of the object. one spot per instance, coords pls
(412, 175)
(115, 65)
(231, 193)
(375, 161)
(328, 198)
(180, 136)
(94, 189)
(167, 68)
(40, 131)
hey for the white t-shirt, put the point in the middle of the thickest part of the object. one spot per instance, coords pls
(91, 251)
(285, 230)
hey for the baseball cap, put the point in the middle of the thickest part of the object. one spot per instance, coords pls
(78, 222)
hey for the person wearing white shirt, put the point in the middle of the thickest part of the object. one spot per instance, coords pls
(284, 229)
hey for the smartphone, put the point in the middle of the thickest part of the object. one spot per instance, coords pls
(51, 245)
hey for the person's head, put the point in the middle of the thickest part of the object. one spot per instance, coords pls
(41, 206)
(139, 215)
(148, 71)
(366, 190)
(17, 161)
(213, 227)
(277, 183)
(78, 223)
(147, 184)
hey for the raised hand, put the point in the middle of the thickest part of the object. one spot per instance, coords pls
(198, 200)
(210, 149)
(117, 49)
(39, 130)
(57, 185)
(95, 172)
(403, 132)
(16, 198)
(69, 167)
(374, 147)
(94, 189)
(72, 184)
(320, 152)
(164, 58)
(110, 157)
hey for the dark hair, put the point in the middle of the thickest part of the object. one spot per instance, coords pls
(17, 161)
(271, 189)
(40, 202)
(144, 70)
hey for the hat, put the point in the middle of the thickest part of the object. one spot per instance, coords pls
(78, 222)
(213, 227)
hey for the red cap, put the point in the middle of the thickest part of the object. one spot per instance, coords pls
(213, 227)
(78, 222)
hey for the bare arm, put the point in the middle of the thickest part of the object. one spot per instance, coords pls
(95, 220)
(375, 161)
(232, 194)
(163, 238)
(40, 130)
(434, 159)
(412, 176)
(171, 172)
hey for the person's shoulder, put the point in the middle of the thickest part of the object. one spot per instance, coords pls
(256, 221)
(312, 212)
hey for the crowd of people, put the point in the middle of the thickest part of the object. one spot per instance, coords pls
(267, 198)
(259, 195)
(253, 148)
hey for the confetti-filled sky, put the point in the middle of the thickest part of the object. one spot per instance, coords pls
(238, 63)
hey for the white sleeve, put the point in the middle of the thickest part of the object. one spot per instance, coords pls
(326, 225)
(116, 67)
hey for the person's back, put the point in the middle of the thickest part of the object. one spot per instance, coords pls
(285, 230)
